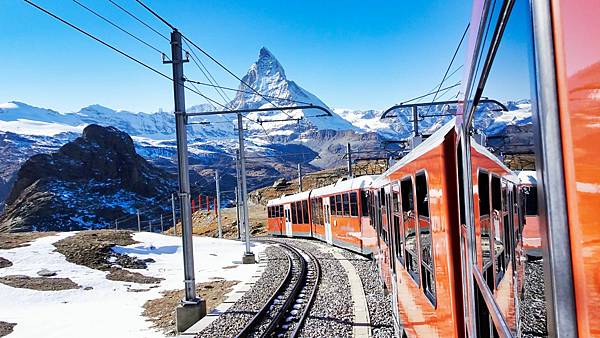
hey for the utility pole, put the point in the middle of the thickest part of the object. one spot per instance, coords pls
(248, 257)
(349, 153)
(174, 218)
(116, 224)
(237, 211)
(218, 206)
(139, 223)
(299, 178)
(238, 196)
(162, 229)
(191, 308)
(150, 225)
(415, 120)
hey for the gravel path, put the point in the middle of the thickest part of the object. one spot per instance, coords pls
(380, 304)
(233, 320)
(533, 306)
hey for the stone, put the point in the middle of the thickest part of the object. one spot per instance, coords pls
(249, 258)
(46, 273)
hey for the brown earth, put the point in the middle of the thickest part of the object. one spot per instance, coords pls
(93, 248)
(205, 223)
(6, 328)
(5, 263)
(160, 311)
(39, 283)
(121, 275)
(20, 239)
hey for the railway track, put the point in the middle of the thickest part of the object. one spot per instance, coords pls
(285, 312)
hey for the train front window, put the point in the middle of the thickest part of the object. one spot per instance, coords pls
(364, 203)
(346, 203)
(409, 221)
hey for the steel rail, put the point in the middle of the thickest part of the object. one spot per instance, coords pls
(255, 321)
(317, 280)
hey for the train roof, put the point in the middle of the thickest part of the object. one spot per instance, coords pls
(430, 143)
(355, 183)
(361, 182)
(290, 198)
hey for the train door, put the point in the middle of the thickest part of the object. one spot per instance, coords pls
(288, 220)
(327, 211)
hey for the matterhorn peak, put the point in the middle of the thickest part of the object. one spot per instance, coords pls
(267, 64)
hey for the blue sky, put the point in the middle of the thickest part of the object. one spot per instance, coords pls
(351, 54)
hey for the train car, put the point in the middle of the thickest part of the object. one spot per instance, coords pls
(294, 215)
(346, 219)
(447, 223)
(275, 218)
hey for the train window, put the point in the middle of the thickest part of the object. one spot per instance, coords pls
(498, 228)
(305, 212)
(294, 218)
(381, 198)
(321, 211)
(397, 215)
(530, 201)
(508, 240)
(353, 204)
(281, 211)
(332, 208)
(425, 236)
(483, 189)
(364, 203)
(409, 221)
(396, 198)
(346, 202)
(338, 205)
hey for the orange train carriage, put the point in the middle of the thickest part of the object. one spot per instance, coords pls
(445, 223)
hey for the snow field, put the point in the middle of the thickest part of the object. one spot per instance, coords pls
(108, 309)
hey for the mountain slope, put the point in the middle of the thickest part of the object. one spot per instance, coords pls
(87, 183)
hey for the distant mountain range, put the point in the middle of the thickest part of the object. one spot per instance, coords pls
(316, 142)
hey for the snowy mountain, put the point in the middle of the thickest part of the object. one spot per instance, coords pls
(320, 142)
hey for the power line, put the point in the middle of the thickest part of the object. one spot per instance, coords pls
(117, 50)
(430, 93)
(450, 65)
(247, 92)
(139, 20)
(120, 28)
(156, 15)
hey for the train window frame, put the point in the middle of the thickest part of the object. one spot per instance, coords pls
(482, 171)
(305, 214)
(353, 205)
(399, 227)
(429, 281)
(364, 206)
(346, 204)
(339, 206)
(294, 219)
(497, 229)
(413, 271)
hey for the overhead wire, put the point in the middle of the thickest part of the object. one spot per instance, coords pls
(450, 64)
(120, 28)
(139, 20)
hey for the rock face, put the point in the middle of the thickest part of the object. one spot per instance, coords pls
(87, 183)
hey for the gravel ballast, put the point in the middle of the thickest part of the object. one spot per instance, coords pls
(380, 304)
(331, 314)
(230, 323)
(533, 305)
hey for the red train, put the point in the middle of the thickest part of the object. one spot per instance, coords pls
(445, 223)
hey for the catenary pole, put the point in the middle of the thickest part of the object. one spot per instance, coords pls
(174, 219)
(139, 223)
(237, 211)
(182, 159)
(248, 257)
(299, 178)
(218, 206)
(349, 153)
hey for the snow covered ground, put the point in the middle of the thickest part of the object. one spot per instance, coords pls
(107, 310)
